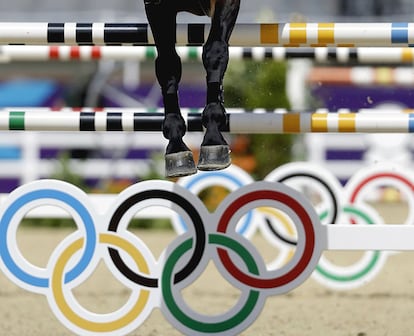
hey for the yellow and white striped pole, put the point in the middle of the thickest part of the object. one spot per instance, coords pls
(256, 34)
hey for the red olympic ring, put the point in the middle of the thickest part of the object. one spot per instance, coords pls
(309, 245)
(364, 182)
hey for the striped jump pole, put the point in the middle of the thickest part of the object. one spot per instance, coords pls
(256, 122)
(255, 34)
(368, 55)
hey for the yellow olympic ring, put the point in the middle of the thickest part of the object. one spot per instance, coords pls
(283, 219)
(67, 311)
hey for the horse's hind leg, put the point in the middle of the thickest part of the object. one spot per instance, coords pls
(162, 18)
(214, 151)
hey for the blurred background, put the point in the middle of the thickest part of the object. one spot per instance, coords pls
(251, 11)
(110, 162)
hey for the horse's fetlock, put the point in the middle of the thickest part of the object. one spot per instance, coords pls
(214, 114)
(173, 126)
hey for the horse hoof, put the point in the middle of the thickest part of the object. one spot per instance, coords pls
(214, 157)
(179, 164)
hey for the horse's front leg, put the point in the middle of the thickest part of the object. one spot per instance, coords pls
(179, 159)
(162, 18)
(214, 151)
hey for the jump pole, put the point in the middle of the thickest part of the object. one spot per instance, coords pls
(253, 122)
(255, 34)
(367, 55)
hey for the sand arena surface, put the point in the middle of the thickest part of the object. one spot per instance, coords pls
(383, 306)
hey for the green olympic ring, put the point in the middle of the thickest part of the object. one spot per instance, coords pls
(251, 303)
(328, 274)
(366, 268)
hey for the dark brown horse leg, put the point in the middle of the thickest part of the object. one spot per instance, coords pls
(214, 151)
(162, 19)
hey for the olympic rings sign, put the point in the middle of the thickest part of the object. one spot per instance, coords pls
(158, 283)
(336, 204)
(348, 204)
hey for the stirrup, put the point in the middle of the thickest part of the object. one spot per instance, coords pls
(179, 164)
(214, 157)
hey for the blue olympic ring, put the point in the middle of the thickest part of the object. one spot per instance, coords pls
(47, 194)
(196, 178)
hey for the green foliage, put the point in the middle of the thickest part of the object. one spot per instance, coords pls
(150, 224)
(250, 85)
(49, 222)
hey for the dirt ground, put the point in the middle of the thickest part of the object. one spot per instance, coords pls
(382, 307)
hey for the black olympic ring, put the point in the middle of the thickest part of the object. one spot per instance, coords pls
(200, 235)
(331, 193)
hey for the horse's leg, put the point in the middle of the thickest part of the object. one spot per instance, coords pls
(162, 19)
(214, 151)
